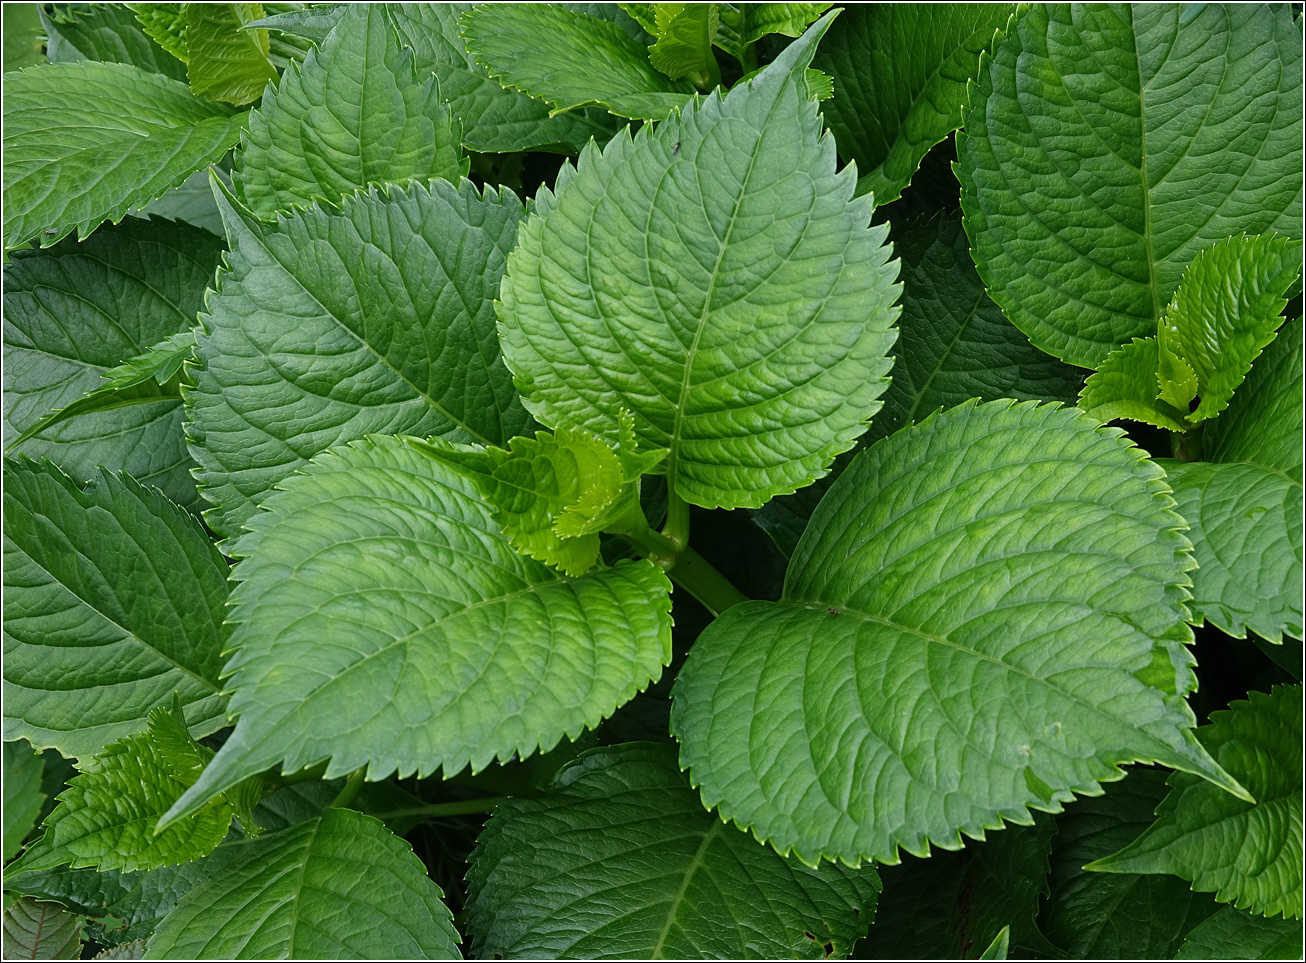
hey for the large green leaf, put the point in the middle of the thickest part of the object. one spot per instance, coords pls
(1130, 138)
(86, 142)
(332, 324)
(337, 886)
(22, 794)
(743, 24)
(1233, 934)
(570, 60)
(355, 114)
(900, 73)
(715, 277)
(224, 62)
(109, 31)
(1248, 854)
(383, 620)
(114, 599)
(620, 860)
(1115, 917)
(79, 309)
(41, 931)
(984, 616)
(23, 46)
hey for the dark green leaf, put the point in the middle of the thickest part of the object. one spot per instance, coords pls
(22, 794)
(41, 931)
(111, 32)
(1232, 934)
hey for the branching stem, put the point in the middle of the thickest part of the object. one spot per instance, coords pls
(351, 788)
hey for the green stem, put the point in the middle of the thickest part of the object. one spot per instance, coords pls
(463, 807)
(677, 527)
(496, 780)
(699, 578)
(749, 60)
(351, 789)
(1187, 445)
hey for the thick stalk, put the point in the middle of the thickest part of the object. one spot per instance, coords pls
(353, 785)
(677, 527)
(699, 578)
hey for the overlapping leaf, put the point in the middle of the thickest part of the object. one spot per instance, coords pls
(1130, 138)
(109, 31)
(900, 73)
(337, 886)
(383, 620)
(166, 24)
(743, 24)
(1232, 934)
(114, 599)
(355, 114)
(619, 860)
(715, 277)
(1124, 386)
(1248, 854)
(22, 794)
(86, 142)
(223, 61)
(333, 324)
(22, 37)
(685, 32)
(984, 616)
(37, 930)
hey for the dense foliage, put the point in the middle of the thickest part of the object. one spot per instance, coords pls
(652, 481)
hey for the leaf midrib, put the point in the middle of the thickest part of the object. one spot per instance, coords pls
(694, 864)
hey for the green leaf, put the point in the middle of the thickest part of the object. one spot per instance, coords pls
(22, 794)
(223, 61)
(900, 74)
(1248, 854)
(743, 24)
(106, 816)
(1233, 934)
(191, 201)
(954, 905)
(553, 494)
(23, 43)
(1124, 386)
(111, 32)
(478, 654)
(355, 114)
(147, 379)
(1106, 917)
(77, 310)
(1225, 311)
(1130, 138)
(620, 860)
(745, 323)
(338, 886)
(86, 142)
(1247, 538)
(984, 616)
(570, 60)
(999, 947)
(332, 324)
(166, 24)
(685, 32)
(114, 599)
(41, 931)
(494, 118)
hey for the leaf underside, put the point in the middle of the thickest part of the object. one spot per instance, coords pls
(38, 930)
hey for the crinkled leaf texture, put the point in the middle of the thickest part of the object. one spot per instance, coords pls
(114, 599)
(77, 310)
(356, 113)
(1130, 138)
(984, 616)
(1233, 934)
(1124, 386)
(107, 31)
(716, 277)
(620, 860)
(743, 24)
(166, 23)
(335, 323)
(86, 142)
(685, 32)
(383, 620)
(22, 794)
(900, 73)
(37, 930)
(224, 62)
(337, 886)
(1248, 854)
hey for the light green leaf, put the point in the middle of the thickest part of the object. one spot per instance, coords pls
(644, 14)
(619, 860)
(998, 949)
(554, 493)
(23, 42)
(685, 32)
(338, 886)
(22, 794)
(570, 60)
(109, 32)
(114, 599)
(743, 24)
(147, 379)
(311, 23)
(1247, 538)
(1233, 934)
(984, 616)
(474, 652)
(332, 324)
(1225, 311)
(223, 61)
(1096, 916)
(1130, 138)
(41, 931)
(191, 201)
(75, 311)
(106, 816)
(745, 323)
(1124, 386)
(900, 74)
(86, 142)
(355, 114)
(166, 24)
(1248, 854)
